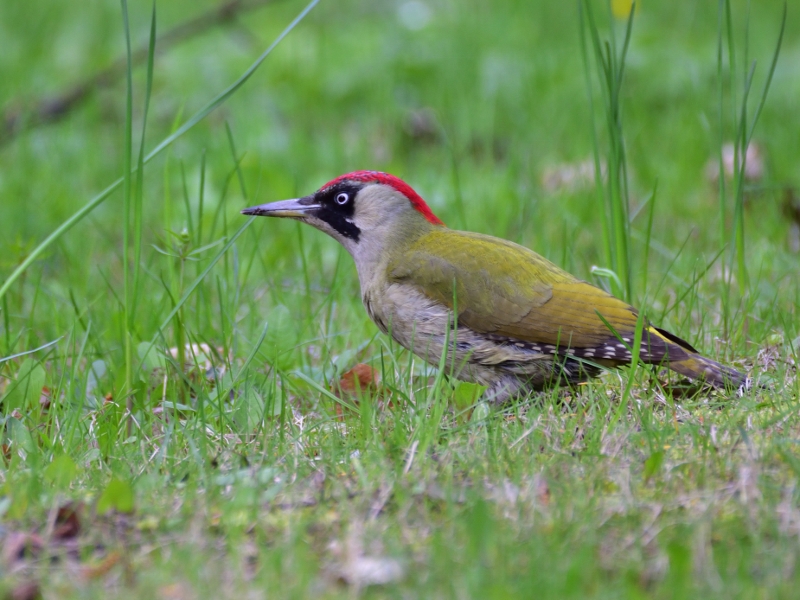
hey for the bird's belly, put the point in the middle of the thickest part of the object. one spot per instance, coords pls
(424, 327)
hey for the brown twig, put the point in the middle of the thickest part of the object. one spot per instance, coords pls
(52, 109)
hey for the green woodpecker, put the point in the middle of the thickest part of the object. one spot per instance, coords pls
(512, 320)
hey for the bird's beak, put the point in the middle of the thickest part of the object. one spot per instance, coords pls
(293, 209)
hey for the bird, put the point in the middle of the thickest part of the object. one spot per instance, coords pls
(501, 315)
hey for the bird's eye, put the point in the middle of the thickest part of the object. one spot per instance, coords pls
(342, 198)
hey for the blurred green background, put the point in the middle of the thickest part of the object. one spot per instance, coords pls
(472, 103)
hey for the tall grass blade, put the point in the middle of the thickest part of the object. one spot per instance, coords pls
(723, 236)
(139, 198)
(27, 352)
(126, 204)
(648, 236)
(598, 178)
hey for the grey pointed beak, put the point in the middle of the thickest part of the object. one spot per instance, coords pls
(293, 209)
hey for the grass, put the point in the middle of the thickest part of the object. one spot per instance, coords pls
(167, 364)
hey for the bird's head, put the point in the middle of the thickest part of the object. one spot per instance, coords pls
(360, 209)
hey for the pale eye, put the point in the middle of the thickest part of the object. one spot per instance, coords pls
(342, 198)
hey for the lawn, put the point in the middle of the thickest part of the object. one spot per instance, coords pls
(170, 371)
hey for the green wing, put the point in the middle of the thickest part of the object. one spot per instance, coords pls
(501, 288)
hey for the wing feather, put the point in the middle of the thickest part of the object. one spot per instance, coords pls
(505, 289)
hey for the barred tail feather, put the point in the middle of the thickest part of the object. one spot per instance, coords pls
(700, 367)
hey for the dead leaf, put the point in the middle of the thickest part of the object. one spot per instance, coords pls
(361, 378)
(68, 521)
(360, 381)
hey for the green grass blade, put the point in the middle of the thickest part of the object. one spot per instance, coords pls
(27, 352)
(127, 165)
(139, 197)
(648, 236)
(723, 236)
(598, 175)
(236, 158)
